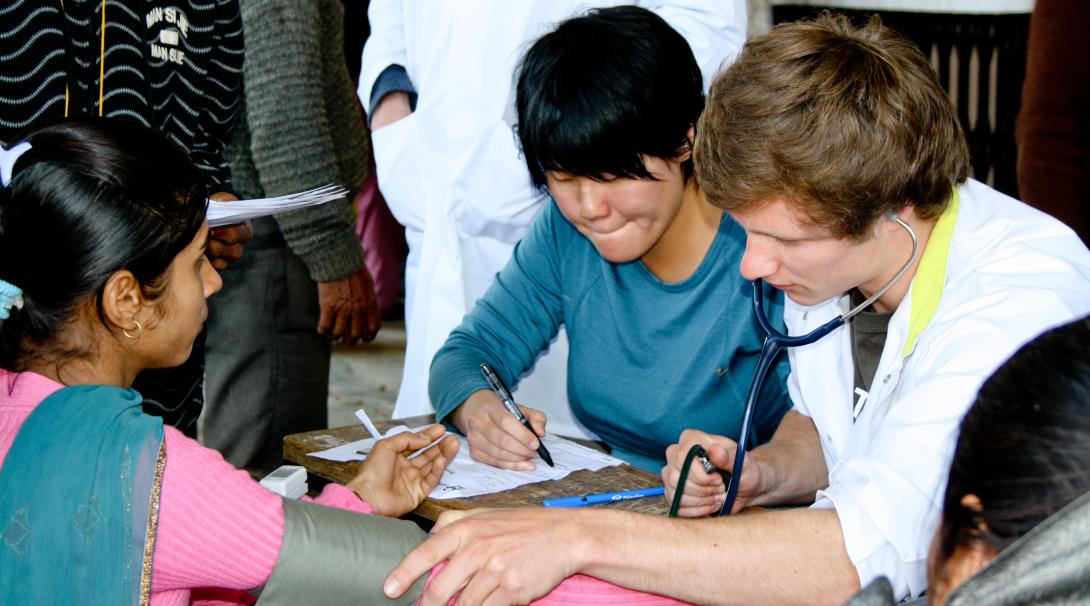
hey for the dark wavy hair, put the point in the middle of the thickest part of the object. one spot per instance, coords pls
(89, 198)
(1024, 446)
(604, 89)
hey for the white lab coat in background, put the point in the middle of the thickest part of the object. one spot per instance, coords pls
(452, 173)
(1011, 273)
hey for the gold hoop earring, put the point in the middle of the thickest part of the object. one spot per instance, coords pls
(139, 330)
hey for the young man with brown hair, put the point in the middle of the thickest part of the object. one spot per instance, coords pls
(837, 151)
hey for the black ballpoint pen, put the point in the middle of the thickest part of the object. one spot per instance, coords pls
(504, 394)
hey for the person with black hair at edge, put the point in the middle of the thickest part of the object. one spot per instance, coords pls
(173, 66)
(1015, 523)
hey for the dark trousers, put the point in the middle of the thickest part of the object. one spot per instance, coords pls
(267, 369)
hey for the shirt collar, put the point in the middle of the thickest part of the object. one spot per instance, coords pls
(927, 285)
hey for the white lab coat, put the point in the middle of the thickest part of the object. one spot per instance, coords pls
(451, 172)
(1011, 273)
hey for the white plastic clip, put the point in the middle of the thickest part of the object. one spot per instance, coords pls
(288, 481)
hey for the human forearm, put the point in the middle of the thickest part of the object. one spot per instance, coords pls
(460, 416)
(297, 138)
(341, 497)
(792, 463)
(323, 236)
(780, 557)
(789, 469)
(454, 377)
(331, 556)
(508, 328)
(517, 555)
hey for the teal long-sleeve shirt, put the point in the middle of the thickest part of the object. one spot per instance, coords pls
(647, 359)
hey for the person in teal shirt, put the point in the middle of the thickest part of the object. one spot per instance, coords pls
(640, 269)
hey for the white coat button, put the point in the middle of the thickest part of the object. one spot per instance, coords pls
(885, 379)
(805, 315)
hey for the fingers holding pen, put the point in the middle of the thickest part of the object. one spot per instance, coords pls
(498, 439)
(516, 436)
(535, 429)
(537, 420)
(495, 436)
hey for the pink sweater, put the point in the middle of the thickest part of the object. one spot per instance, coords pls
(217, 527)
(220, 529)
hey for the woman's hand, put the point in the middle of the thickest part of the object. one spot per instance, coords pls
(495, 436)
(391, 482)
(704, 492)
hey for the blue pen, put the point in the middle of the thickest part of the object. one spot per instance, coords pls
(607, 497)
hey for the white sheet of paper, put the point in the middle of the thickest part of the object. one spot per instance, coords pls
(350, 450)
(465, 477)
(237, 211)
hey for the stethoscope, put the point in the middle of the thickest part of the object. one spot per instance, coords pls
(775, 342)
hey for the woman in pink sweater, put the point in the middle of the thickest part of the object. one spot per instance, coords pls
(103, 274)
(101, 504)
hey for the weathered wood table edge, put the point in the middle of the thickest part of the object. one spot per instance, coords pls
(298, 446)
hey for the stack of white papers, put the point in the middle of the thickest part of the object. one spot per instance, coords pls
(465, 477)
(237, 211)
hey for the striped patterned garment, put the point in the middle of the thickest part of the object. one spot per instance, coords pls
(173, 65)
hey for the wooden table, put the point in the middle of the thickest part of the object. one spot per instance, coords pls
(610, 479)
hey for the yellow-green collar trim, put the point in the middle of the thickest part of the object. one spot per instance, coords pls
(931, 274)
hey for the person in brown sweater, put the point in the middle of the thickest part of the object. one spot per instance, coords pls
(303, 283)
(1053, 132)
